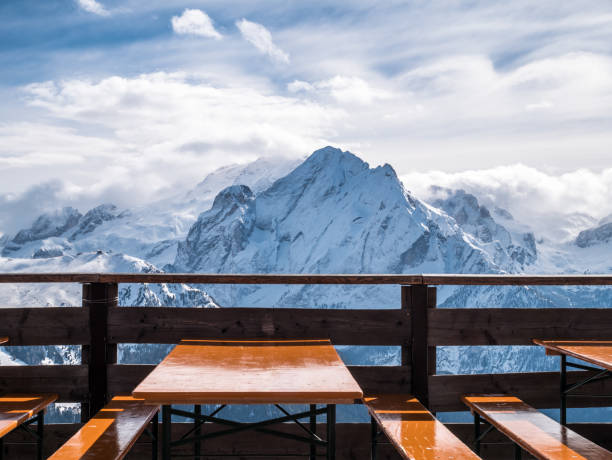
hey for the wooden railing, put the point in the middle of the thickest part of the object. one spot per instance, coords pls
(416, 326)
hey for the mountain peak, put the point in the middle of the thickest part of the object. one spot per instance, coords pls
(240, 194)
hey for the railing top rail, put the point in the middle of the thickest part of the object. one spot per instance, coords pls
(199, 278)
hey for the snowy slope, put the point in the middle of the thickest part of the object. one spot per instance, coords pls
(148, 232)
(332, 214)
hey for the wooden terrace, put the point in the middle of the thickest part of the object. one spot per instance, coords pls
(416, 325)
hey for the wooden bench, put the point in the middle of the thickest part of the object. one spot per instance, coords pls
(530, 429)
(112, 432)
(21, 410)
(414, 432)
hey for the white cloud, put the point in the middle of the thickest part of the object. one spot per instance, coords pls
(351, 90)
(297, 86)
(194, 22)
(126, 140)
(92, 6)
(261, 38)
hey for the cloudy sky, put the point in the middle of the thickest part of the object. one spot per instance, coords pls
(107, 100)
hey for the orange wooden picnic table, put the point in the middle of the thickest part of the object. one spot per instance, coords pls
(594, 352)
(250, 372)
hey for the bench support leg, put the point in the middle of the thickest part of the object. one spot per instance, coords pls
(166, 431)
(477, 433)
(313, 429)
(563, 409)
(374, 436)
(197, 425)
(331, 432)
(155, 440)
(517, 452)
(40, 430)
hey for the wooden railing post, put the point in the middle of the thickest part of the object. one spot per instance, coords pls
(99, 297)
(417, 299)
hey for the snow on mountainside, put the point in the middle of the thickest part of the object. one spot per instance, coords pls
(54, 294)
(148, 232)
(500, 243)
(333, 214)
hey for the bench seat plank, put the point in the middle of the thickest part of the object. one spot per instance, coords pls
(111, 433)
(414, 432)
(17, 408)
(536, 433)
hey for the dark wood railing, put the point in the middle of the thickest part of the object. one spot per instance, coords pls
(417, 326)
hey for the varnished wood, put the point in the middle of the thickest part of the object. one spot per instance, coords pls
(16, 408)
(4, 340)
(540, 389)
(68, 382)
(45, 325)
(110, 433)
(518, 280)
(250, 372)
(343, 327)
(353, 441)
(123, 378)
(598, 352)
(536, 433)
(515, 326)
(214, 278)
(413, 430)
(208, 278)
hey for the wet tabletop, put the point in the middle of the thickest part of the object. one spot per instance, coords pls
(250, 372)
(414, 431)
(17, 408)
(535, 432)
(110, 434)
(598, 352)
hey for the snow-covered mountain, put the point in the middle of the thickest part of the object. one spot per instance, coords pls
(331, 213)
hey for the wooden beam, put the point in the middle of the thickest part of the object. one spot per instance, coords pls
(69, 382)
(519, 280)
(515, 326)
(123, 378)
(417, 300)
(45, 325)
(98, 298)
(538, 389)
(343, 327)
(213, 278)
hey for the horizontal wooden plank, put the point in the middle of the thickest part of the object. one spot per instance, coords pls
(539, 389)
(599, 433)
(343, 327)
(123, 378)
(518, 280)
(353, 442)
(69, 382)
(255, 278)
(515, 326)
(209, 278)
(45, 325)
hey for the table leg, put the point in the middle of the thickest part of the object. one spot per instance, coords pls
(374, 437)
(331, 432)
(313, 429)
(563, 386)
(197, 409)
(166, 431)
